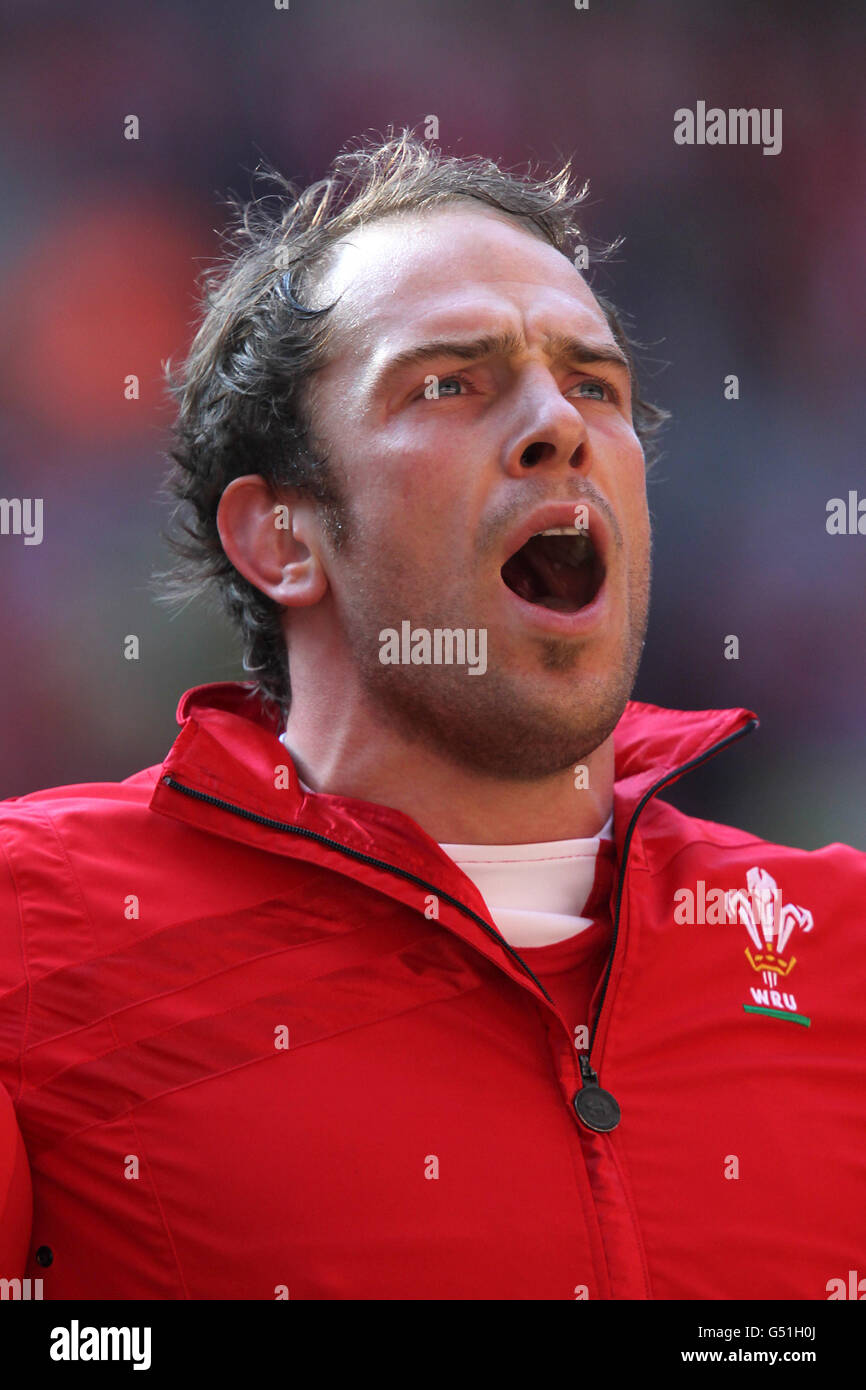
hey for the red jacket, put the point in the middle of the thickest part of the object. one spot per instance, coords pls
(248, 1060)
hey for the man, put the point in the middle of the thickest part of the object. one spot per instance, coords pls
(397, 979)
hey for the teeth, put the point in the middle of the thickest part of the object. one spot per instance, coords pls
(582, 537)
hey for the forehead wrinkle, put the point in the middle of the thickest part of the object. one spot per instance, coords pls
(463, 348)
(559, 347)
(353, 333)
(567, 345)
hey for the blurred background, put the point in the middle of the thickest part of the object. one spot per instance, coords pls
(734, 263)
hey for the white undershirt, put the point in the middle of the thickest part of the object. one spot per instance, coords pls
(535, 893)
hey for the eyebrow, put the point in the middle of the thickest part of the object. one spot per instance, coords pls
(562, 347)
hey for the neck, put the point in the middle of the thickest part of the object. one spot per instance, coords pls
(340, 746)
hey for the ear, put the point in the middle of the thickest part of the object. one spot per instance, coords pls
(273, 540)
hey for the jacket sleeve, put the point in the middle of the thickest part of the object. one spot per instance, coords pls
(16, 1196)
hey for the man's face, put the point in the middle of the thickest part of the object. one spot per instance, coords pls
(445, 489)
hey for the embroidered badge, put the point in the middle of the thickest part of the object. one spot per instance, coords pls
(769, 923)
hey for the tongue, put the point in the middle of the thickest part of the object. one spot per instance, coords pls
(557, 584)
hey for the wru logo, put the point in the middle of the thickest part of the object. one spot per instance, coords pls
(769, 923)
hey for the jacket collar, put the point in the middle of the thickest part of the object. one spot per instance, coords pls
(240, 783)
(652, 744)
(228, 749)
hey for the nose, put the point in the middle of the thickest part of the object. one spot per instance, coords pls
(550, 432)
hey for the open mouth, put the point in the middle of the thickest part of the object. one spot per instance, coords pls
(557, 569)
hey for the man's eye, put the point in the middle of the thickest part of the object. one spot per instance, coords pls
(449, 385)
(604, 391)
(436, 386)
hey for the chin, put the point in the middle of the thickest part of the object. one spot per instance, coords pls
(509, 732)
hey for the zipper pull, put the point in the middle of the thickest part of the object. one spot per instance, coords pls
(596, 1108)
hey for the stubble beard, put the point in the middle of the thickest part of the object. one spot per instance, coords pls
(490, 724)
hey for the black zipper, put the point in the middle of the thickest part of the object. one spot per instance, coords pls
(588, 1076)
(170, 781)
